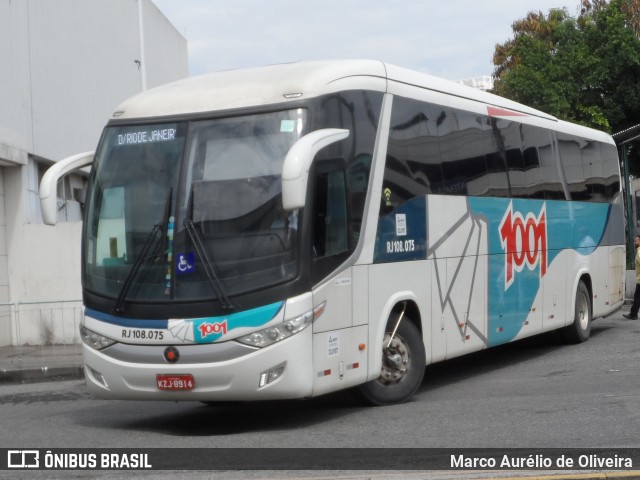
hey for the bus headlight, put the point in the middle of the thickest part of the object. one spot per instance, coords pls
(269, 336)
(95, 340)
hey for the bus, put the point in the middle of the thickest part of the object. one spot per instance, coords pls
(293, 230)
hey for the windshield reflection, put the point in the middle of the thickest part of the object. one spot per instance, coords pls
(227, 187)
(233, 198)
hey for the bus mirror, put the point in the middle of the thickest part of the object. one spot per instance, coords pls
(49, 183)
(297, 163)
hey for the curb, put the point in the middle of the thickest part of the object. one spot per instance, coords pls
(41, 374)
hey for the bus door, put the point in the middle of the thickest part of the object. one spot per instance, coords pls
(339, 360)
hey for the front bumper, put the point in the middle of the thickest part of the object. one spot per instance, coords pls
(230, 379)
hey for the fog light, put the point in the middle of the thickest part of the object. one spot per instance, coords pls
(271, 375)
(99, 377)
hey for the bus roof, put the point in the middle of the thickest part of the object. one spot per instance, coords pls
(233, 89)
(279, 84)
(273, 84)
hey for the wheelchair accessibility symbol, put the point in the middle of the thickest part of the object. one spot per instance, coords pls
(185, 263)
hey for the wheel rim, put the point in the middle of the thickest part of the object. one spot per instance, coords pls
(396, 360)
(582, 310)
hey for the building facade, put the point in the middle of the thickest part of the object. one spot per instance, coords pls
(484, 82)
(66, 65)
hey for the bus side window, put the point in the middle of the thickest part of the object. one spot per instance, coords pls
(330, 217)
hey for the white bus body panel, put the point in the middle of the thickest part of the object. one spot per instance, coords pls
(466, 298)
(462, 274)
(235, 379)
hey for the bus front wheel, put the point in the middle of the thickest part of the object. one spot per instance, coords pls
(403, 364)
(580, 329)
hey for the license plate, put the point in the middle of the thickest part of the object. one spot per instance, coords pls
(175, 382)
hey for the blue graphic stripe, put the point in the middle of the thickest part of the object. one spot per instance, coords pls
(528, 232)
(578, 226)
(404, 242)
(256, 317)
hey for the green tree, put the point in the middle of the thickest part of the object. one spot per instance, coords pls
(584, 69)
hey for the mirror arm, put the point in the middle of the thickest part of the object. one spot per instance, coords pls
(297, 163)
(49, 184)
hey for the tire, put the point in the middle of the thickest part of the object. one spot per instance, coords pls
(580, 329)
(403, 365)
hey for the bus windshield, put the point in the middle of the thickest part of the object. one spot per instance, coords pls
(191, 211)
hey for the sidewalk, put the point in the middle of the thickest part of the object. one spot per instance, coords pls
(28, 364)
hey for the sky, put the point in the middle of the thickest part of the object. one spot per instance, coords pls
(453, 39)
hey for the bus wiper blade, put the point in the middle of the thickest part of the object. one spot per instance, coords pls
(134, 269)
(118, 309)
(209, 269)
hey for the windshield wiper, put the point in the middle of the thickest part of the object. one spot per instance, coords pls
(118, 309)
(209, 268)
(134, 269)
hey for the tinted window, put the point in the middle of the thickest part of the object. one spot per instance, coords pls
(441, 150)
(435, 149)
(330, 230)
(537, 176)
(591, 168)
(413, 165)
(359, 112)
(472, 153)
(570, 154)
(610, 170)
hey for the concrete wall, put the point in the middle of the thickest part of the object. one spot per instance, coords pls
(5, 311)
(66, 65)
(15, 98)
(165, 48)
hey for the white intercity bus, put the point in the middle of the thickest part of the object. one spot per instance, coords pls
(293, 230)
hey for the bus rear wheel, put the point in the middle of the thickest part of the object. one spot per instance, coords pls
(403, 364)
(580, 329)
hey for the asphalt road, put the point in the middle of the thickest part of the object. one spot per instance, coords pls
(537, 393)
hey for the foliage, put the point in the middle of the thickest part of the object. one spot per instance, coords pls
(584, 69)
